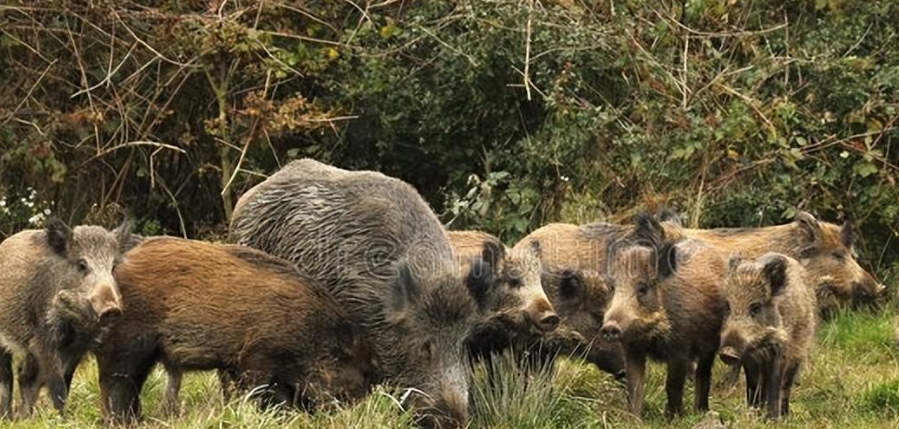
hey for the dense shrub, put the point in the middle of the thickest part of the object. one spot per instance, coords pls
(506, 114)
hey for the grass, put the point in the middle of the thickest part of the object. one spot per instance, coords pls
(852, 380)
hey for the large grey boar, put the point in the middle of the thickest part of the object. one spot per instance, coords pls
(667, 305)
(770, 327)
(378, 247)
(55, 287)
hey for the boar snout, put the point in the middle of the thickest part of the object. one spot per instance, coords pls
(445, 412)
(729, 356)
(543, 316)
(611, 331)
(105, 300)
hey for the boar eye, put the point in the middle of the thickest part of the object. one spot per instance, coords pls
(643, 289)
(754, 309)
(81, 264)
(727, 309)
(839, 256)
(514, 283)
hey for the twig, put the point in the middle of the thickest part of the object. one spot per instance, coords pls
(527, 53)
(28, 95)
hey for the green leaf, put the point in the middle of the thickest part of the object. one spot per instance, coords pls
(864, 169)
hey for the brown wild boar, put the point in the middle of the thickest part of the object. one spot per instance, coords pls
(770, 327)
(376, 245)
(573, 260)
(519, 309)
(192, 305)
(56, 285)
(667, 305)
(520, 301)
(825, 251)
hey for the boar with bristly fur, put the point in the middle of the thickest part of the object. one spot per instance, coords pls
(191, 305)
(770, 327)
(520, 308)
(668, 306)
(824, 249)
(350, 230)
(56, 291)
(573, 260)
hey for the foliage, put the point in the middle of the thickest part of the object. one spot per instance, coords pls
(505, 114)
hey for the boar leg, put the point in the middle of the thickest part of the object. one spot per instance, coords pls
(121, 377)
(56, 385)
(30, 384)
(6, 381)
(227, 380)
(703, 382)
(678, 367)
(774, 376)
(789, 377)
(635, 368)
(170, 403)
(753, 391)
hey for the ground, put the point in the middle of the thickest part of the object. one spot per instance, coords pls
(852, 380)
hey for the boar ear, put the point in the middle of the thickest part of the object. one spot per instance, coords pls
(480, 281)
(493, 252)
(775, 270)
(648, 230)
(846, 233)
(58, 235)
(123, 235)
(405, 289)
(666, 260)
(570, 285)
(535, 247)
(733, 263)
(669, 215)
(809, 226)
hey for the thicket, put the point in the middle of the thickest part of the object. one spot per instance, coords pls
(505, 114)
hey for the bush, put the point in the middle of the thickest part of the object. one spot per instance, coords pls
(505, 114)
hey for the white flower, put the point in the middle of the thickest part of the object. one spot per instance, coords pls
(47, 212)
(36, 218)
(2, 203)
(564, 178)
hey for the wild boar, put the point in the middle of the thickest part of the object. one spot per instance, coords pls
(349, 230)
(573, 260)
(667, 305)
(192, 305)
(56, 291)
(520, 308)
(824, 249)
(770, 327)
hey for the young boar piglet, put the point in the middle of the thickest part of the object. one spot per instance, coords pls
(770, 327)
(56, 285)
(666, 305)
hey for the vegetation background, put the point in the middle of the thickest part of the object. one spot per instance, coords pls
(505, 114)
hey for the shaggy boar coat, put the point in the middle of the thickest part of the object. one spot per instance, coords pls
(378, 247)
(573, 260)
(667, 305)
(55, 286)
(770, 327)
(197, 306)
